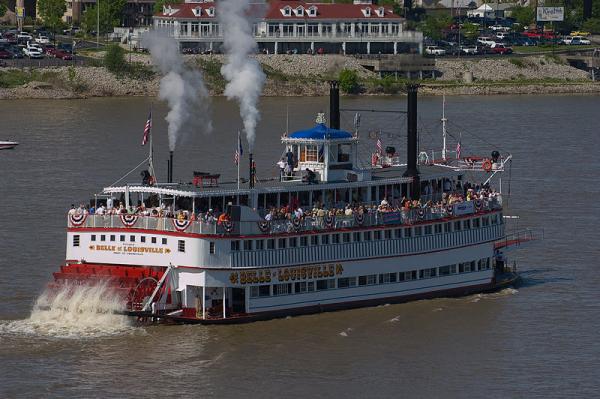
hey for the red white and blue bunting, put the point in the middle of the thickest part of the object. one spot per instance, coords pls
(359, 218)
(329, 221)
(181, 225)
(77, 219)
(264, 226)
(128, 220)
(228, 226)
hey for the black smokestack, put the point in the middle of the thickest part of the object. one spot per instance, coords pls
(252, 171)
(170, 166)
(334, 104)
(587, 9)
(412, 141)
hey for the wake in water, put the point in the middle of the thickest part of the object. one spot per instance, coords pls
(494, 295)
(74, 311)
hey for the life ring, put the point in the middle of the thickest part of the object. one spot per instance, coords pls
(228, 226)
(154, 212)
(264, 226)
(296, 224)
(478, 204)
(421, 213)
(487, 165)
(329, 221)
(359, 218)
(450, 209)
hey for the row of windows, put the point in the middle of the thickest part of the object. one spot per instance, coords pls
(367, 280)
(358, 236)
(122, 238)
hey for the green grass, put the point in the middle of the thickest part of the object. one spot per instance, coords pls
(546, 48)
(17, 77)
(212, 74)
(517, 62)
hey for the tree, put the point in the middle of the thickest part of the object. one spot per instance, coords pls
(349, 81)
(470, 31)
(52, 12)
(523, 15)
(158, 6)
(433, 26)
(592, 25)
(110, 16)
(3, 9)
(114, 59)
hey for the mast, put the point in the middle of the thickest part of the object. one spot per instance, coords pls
(444, 120)
(151, 149)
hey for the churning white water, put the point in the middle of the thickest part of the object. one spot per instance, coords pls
(75, 311)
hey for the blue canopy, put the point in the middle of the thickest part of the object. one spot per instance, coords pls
(320, 132)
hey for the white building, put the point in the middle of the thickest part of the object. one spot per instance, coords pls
(286, 25)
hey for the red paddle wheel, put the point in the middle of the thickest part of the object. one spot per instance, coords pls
(132, 284)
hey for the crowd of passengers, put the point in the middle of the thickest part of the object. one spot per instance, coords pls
(293, 210)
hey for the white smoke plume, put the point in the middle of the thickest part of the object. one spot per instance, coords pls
(181, 87)
(243, 73)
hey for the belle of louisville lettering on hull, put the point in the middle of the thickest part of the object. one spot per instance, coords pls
(129, 249)
(287, 274)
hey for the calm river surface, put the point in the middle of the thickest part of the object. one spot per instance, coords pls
(540, 340)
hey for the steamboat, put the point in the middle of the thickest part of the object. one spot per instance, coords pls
(327, 234)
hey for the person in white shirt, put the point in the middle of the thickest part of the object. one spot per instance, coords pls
(109, 204)
(72, 211)
(100, 210)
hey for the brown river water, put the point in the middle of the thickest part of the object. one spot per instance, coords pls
(539, 340)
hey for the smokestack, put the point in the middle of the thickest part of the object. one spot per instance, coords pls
(334, 104)
(252, 171)
(412, 141)
(170, 166)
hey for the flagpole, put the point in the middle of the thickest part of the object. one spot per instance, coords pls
(239, 160)
(151, 149)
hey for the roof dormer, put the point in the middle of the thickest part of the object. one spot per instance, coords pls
(197, 11)
(299, 11)
(312, 11)
(366, 11)
(210, 11)
(380, 11)
(286, 11)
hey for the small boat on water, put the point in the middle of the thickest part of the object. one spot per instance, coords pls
(7, 145)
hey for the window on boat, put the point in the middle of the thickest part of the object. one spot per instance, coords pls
(448, 227)
(122, 238)
(314, 240)
(247, 245)
(235, 245)
(457, 225)
(453, 269)
(325, 239)
(181, 245)
(344, 151)
(325, 284)
(494, 219)
(398, 233)
(387, 278)
(473, 265)
(153, 240)
(377, 234)
(76, 240)
(500, 218)
(476, 223)
(304, 241)
(132, 239)
(428, 230)
(467, 224)
(370, 279)
(102, 237)
(411, 275)
(346, 282)
(211, 247)
(112, 237)
(300, 287)
(260, 291)
(293, 242)
(346, 237)
(438, 228)
(387, 234)
(444, 270)
(418, 231)
(164, 240)
(282, 289)
(310, 286)
(311, 154)
(401, 276)
(356, 236)
(260, 245)
(335, 238)
(93, 237)
(367, 236)
(281, 243)
(408, 232)
(428, 273)
(271, 243)
(143, 238)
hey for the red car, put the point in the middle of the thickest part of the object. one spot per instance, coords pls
(63, 55)
(500, 48)
(4, 55)
(50, 50)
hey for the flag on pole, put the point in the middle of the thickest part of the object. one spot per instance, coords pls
(379, 146)
(239, 151)
(147, 129)
(458, 150)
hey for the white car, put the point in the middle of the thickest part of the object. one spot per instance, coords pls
(502, 35)
(582, 40)
(42, 40)
(499, 28)
(486, 40)
(33, 50)
(24, 37)
(434, 50)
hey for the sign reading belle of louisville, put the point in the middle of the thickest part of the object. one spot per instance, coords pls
(550, 14)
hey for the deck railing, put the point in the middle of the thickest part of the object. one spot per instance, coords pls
(295, 225)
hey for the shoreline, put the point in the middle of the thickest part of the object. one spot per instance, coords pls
(306, 76)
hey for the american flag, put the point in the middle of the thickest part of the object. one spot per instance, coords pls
(239, 151)
(147, 129)
(379, 146)
(458, 150)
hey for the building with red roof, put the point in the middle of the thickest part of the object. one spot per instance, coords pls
(363, 27)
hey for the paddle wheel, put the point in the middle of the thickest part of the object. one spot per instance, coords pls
(133, 285)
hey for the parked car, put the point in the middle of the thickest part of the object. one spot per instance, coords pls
(42, 40)
(502, 35)
(50, 50)
(5, 54)
(24, 37)
(33, 50)
(434, 50)
(16, 51)
(499, 28)
(66, 47)
(486, 40)
(468, 50)
(582, 40)
(63, 55)
(500, 48)
(579, 33)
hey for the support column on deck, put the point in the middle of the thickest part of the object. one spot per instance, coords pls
(224, 296)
